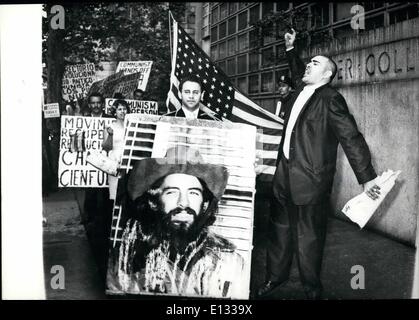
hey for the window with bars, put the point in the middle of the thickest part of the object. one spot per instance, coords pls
(342, 10)
(254, 83)
(319, 15)
(233, 6)
(268, 57)
(254, 39)
(242, 84)
(243, 42)
(222, 30)
(232, 46)
(242, 20)
(269, 34)
(403, 14)
(222, 50)
(242, 63)
(253, 61)
(267, 82)
(222, 65)
(223, 10)
(254, 14)
(231, 67)
(214, 15)
(214, 33)
(214, 53)
(232, 25)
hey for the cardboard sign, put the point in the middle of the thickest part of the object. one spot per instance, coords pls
(135, 106)
(217, 259)
(51, 110)
(142, 68)
(77, 80)
(117, 83)
(73, 169)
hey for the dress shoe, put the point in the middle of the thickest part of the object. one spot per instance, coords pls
(269, 287)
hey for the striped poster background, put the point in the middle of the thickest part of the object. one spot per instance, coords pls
(230, 144)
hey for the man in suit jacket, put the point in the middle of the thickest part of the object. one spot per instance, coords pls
(191, 94)
(318, 121)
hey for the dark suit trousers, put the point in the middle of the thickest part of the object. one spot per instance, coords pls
(299, 230)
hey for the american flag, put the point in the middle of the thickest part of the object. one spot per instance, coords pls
(222, 99)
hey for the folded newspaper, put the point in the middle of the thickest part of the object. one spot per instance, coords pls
(362, 207)
(102, 162)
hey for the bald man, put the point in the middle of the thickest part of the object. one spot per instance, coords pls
(316, 123)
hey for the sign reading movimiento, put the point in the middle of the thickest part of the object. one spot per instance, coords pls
(73, 169)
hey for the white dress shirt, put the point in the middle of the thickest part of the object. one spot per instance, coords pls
(190, 114)
(298, 105)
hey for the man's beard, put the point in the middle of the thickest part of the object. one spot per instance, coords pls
(180, 234)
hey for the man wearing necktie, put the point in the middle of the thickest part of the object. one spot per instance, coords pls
(316, 123)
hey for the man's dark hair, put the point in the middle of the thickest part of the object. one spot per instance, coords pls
(95, 94)
(190, 78)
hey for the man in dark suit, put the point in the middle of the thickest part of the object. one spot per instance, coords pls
(191, 93)
(318, 121)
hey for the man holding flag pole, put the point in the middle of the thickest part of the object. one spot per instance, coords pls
(221, 100)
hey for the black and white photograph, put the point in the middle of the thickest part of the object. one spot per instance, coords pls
(231, 151)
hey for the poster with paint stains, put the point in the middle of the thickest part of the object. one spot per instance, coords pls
(183, 216)
(80, 135)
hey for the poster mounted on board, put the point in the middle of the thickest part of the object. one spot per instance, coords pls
(80, 135)
(77, 80)
(135, 106)
(199, 246)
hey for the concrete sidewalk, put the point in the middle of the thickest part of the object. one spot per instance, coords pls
(66, 244)
(388, 264)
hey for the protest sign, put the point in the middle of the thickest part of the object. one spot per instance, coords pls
(135, 106)
(77, 80)
(216, 261)
(51, 110)
(142, 68)
(73, 168)
(117, 83)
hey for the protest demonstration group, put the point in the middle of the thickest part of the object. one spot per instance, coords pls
(169, 187)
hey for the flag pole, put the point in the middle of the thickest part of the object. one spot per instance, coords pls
(170, 35)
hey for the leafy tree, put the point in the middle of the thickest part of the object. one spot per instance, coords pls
(111, 32)
(106, 32)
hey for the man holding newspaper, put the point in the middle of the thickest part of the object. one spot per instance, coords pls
(318, 120)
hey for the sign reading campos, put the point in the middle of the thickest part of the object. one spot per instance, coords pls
(77, 80)
(51, 110)
(135, 106)
(197, 251)
(143, 68)
(73, 169)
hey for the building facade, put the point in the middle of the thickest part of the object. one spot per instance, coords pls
(377, 55)
(226, 32)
